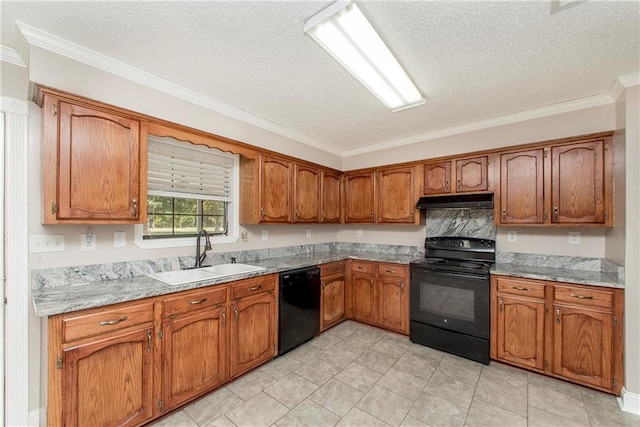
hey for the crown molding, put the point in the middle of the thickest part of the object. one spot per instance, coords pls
(621, 83)
(41, 39)
(10, 55)
(549, 110)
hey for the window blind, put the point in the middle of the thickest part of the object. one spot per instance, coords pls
(178, 169)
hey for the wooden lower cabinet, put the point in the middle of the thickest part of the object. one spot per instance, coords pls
(253, 332)
(194, 344)
(332, 305)
(378, 294)
(573, 332)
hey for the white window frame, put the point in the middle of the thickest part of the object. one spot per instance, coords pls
(233, 218)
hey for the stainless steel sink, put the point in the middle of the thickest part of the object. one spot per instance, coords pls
(181, 277)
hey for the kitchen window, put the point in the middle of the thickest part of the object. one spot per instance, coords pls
(190, 187)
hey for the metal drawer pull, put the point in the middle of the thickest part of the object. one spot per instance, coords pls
(519, 288)
(200, 301)
(362, 268)
(255, 288)
(392, 271)
(581, 296)
(224, 317)
(113, 322)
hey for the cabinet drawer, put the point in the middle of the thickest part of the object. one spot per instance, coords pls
(84, 325)
(584, 296)
(191, 301)
(363, 267)
(253, 286)
(396, 270)
(332, 268)
(520, 287)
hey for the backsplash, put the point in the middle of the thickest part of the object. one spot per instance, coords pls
(83, 274)
(461, 223)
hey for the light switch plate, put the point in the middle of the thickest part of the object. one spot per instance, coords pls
(39, 243)
(265, 234)
(119, 239)
(308, 233)
(359, 232)
(574, 238)
(512, 236)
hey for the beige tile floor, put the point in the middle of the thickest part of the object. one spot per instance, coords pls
(358, 375)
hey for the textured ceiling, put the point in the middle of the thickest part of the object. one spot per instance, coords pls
(472, 60)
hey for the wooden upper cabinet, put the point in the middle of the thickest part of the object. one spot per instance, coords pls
(472, 174)
(521, 198)
(578, 183)
(91, 164)
(437, 178)
(467, 175)
(307, 194)
(360, 197)
(331, 200)
(397, 195)
(275, 189)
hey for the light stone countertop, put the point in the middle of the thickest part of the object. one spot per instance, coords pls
(556, 274)
(52, 300)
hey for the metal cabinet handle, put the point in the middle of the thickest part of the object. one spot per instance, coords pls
(149, 340)
(255, 288)
(501, 305)
(324, 285)
(134, 210)
(224, 317)
(113, 322)
(392, 271)
(555, 214)
(446, 185)
(235, 313)
(402, 286)
(296, 216)
(362, 268)
(200, 301)
(412, 216)
(519, 288)
(504, 215)
(581, 296)
(261, 214)
(371, 281)
(557, 315)
(459, 184)
(371, 215)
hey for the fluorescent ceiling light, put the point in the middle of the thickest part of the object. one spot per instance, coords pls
(343, 31)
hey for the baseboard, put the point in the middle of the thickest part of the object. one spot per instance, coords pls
(35, 419)
(629, 402)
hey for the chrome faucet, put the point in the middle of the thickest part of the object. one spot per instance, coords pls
(207, 246)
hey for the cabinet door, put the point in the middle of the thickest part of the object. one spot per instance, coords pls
(472, 174)
(275, 190)
(108, 382)
(253, 332)
(393, 296)
(98, 165)
(522, 187)
(520, 331)
(195, 355)
(363, 298)
(359, 191)
(333, 308)
(331, 200)
(437, 178)
(307, 194)
(577, 186)
(396, 195)
(583, 345)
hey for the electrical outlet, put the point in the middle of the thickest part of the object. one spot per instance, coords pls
(512, 236)
(39, 243)
(87, 242)
(308, 233)
(265, 234)
(574, 237)
(359, 232)
(244, 235)
(119, 239)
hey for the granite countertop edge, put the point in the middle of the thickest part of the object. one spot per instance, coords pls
(55, 300)
(554, 274)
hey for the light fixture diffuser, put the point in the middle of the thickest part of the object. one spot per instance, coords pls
(343, 31)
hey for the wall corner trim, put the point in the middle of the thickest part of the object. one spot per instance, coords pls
(629, 402)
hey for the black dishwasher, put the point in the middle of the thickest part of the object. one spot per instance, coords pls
(299, 313)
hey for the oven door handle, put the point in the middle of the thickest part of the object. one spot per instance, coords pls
(467, 276)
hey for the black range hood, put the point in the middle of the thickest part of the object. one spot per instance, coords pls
(457, 201)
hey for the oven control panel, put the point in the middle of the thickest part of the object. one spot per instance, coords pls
(460, 243)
